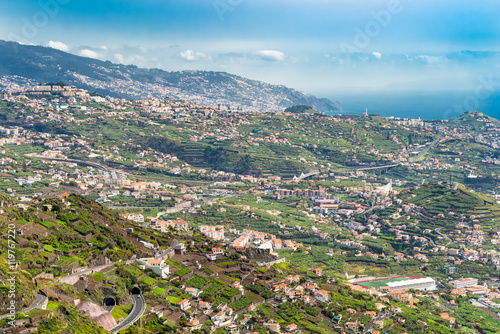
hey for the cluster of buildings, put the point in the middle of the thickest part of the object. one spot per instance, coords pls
(212, 232)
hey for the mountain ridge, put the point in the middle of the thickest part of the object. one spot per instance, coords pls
(25, 65)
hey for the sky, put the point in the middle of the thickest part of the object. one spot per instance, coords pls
(330, 48)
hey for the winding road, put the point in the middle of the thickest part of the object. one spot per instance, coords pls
(438, 231)
(40, 299)
(137, 312)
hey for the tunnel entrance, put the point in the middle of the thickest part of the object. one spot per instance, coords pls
(109, 301)
(135, 291)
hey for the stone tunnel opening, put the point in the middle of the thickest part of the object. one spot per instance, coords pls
(109, 301)
(135, 291)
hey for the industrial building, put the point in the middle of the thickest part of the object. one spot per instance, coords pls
(424, 284)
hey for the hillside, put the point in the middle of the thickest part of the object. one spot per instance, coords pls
(473, 120)
(236, 292)
(24, 64)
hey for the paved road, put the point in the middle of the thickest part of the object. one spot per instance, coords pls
(76, 161)
(109, 308)
(40, 299)
(421, 154)
(93, 270)
(424, 152)
(87, 271)
(438, 231)
(377, 167)
(161, 255)
(381, 317)
(137, 312)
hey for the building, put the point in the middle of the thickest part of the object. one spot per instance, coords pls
(193, 291)
(464, 283)
(273, 327)
(322, 296)
(448, 270)
(424, 284)
(195, 324)
(159, 267)
(184, 304)
(352, 325)
(213, 232)
(138, 218)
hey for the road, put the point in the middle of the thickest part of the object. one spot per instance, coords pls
(251, 271)
(76, 161)
(381, 317)
(40, 299)
(421, 154)
(87, 271)
(424, 152)
(378, 167)
(438, 231)
(93, 270)
(137, 312)
(109, 308)
(160, 256)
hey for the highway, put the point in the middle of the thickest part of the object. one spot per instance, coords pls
(76, 161)
(424, 152)
(137, 312)
(421, 154)
(378, 167)
(40, 299)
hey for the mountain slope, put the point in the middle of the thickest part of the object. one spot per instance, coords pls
(27, 65)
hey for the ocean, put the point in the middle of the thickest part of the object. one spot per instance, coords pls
(417, 104)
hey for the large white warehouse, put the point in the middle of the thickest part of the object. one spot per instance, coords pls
(425, 284)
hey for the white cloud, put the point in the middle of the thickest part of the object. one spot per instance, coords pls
(119, 58)
(271, 55)
(58, 46)
(191, 55)
(104, 47)
(88, 53)
(377, 55)
(429, 59)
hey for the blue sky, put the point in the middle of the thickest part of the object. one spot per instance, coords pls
(325, 47)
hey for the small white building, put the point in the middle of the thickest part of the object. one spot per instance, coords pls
(158, 266)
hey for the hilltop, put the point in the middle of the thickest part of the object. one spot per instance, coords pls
(474, 120)
(24, 64)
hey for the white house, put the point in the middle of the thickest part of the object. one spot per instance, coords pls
(184, 304)
(158, 266)
(322, 296)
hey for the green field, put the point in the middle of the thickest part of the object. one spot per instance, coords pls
(383, 282)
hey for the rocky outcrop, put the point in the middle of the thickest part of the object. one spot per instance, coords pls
(98, 314)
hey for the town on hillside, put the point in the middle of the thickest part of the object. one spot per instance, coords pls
(166, 216)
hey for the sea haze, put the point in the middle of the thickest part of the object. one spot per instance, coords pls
(426, 105)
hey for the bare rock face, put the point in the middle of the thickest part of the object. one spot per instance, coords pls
(98, 314)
